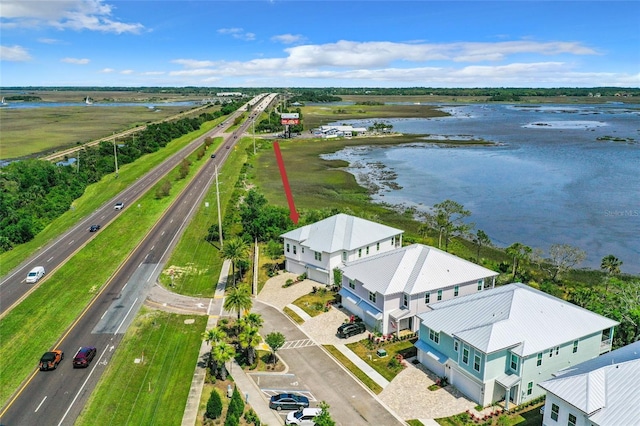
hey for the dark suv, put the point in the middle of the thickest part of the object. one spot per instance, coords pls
(84, 356)
(351, 329)
(288, 401)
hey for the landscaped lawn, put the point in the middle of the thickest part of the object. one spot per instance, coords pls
(382, 364)
(315, 303)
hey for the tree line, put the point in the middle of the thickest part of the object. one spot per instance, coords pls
(33, 193)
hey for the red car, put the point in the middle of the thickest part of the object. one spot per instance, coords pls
(84, 356)
(50, 360)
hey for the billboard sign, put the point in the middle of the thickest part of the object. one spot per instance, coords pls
(289, 118)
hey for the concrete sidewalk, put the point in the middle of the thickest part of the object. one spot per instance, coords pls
(366, 368)
(254, 397)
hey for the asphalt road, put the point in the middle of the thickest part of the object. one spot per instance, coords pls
(313, 373)
(57, 397)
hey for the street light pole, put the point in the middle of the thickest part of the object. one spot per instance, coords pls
(253, 123)
(115, 154)
(219, 215)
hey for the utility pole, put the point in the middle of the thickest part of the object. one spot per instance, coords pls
(219, 215)
(253, 124)
(115, 154)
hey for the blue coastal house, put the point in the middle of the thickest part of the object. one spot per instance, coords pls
(499, 344)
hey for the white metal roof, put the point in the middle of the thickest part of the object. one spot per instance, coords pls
(414, 269)
(341, 232)
(513, 316)
(606, 388)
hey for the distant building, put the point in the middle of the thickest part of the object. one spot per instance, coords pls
(222, 94)
(341, 131)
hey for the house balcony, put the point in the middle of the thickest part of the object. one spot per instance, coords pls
(605, 346)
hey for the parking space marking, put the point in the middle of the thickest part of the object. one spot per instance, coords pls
(271, 392)
(295, 344)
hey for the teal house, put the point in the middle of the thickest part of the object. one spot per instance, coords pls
(499, 344)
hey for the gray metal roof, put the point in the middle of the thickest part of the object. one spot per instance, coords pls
(341, 232)
(606, 388)
(414, 269)
(513, 316)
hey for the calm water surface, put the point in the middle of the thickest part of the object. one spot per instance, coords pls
(547, 180)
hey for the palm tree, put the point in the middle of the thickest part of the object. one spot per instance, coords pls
(235, 249)
(249, 339)
(215, 335)
(520, 253)
(238, 299)
(254, 320)
(611, 265)
(222, 352)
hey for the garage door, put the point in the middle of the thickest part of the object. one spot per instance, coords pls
(295, 267)
(466, 385)
(319, 276)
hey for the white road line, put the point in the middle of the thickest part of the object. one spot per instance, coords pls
(50, 259)
(40, 405)
(82, 387)
(105, 313)
(125, 317)
(71, 242)
(124, 286)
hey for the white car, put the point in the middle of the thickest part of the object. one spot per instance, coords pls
(35, 274)
(118, 206)
(303, 417)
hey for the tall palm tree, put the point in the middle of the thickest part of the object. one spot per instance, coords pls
(249, 339)
(238, 299)
(254, 320)
(222, 352)
(235, 249)
(611, 265)
(215, 335)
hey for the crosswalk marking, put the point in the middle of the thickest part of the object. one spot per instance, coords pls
(295, 344)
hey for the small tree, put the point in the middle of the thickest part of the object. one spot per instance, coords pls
(214, 405)
(519, 253)
(337, 277)
(236, 405)
(222, 352)
(481, 239)
(275, 340)
(324, 418)
(238, 299)
(564, 257)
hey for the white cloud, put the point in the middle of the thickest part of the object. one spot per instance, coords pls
(14, 54)
(153, 73)
(76, 61)
(126, 72)
(288, 38)
(194, 63)
(49, 41)
(238, 33)
(92, 15)
(107, 70)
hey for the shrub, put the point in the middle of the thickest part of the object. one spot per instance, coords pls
(214, 406)
(236, 404)
(288, 283)
(251, 417)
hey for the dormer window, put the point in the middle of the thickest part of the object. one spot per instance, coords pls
(405, 300)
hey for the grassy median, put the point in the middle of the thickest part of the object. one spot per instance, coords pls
(147, 380)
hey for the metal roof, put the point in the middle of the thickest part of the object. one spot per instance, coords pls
(606, 388)
(414, 269)
(513, 316)
(341, 232)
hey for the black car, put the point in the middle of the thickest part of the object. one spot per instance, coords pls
(94, 228)
(213, 156)
(84, 356)
(288, 401)
(351, 329)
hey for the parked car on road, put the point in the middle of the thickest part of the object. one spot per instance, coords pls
(84, 356)
(50, 360)
(304, 417)
(94, 228)
(35, 274)
(349, 329)
(288, 401)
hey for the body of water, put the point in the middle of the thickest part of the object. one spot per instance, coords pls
(555, 174)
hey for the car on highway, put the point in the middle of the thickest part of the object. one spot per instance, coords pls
(94, 228)
(50, 360)
(35, 274)
(349, 329)
(118, 206)
(288, 401)
(304, 417)
(213, 156)
(84, 356)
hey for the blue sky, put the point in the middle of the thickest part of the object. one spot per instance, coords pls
(319, 43)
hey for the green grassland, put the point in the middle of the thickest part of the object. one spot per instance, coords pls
(153, 390)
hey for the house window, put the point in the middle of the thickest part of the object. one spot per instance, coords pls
(427, 297)
(372, 297)
(377, 246)
(360, 252)
(575, 346)
(456, 291)
(480, 282)
(317, 256)
(344, 256)
(434, 336)
(539, 361)
(555, 411)
(514, 362)
(456, 345)
(557, 350)
(302, 249)
(572, 420)
(393, 241)
(287, 247)
(367, 249)
(465, 354)
(529, 388)
(405, 300)
(476, 362)
(439, 294)
(295, 251)
(352, 284)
